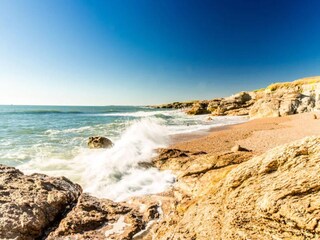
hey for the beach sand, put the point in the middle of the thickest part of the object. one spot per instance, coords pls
(257, 135)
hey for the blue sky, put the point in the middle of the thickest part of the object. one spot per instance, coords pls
(128, 52)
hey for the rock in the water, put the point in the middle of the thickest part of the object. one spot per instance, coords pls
(94, 218)
(272, 196)
(99, 142)
(30, 205)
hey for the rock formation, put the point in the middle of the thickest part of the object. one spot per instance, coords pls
(99, 142)
(272, 196)
(94, 218)
(40, 207)
(276, 100)
(31, 205)
(199, 108)
(225, 195)
(238, 104)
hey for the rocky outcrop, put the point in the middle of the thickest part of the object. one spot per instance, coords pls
(236, 105)
(282, 103)
(99, 142)
(31, 205)
(176, 105)
(199, 108)
(94, 218)
(40, 207)
(272, 196)
(276, 100)
(225, 195)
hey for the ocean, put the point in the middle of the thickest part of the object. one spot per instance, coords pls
(53, 140)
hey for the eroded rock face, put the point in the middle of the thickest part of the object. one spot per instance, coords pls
(99, 142)
(282, 104)
(238, 104)
(94, 218)
(199, 108)
(272, 196)
(30, 205)
(280, 99)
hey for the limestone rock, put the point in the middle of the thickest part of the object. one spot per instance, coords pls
(265, 108)
(168, 155)
(198, 108)
(272, 196)
(280, 99)
(176, 105)
(281, 104)
(94, 218)
(31, 204)
(99, 142)
(238, 104)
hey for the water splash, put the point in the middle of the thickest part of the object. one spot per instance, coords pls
(115, 173)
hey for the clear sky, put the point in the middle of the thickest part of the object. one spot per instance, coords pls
(127, 52)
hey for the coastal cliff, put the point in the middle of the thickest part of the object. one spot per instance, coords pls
(280, 99)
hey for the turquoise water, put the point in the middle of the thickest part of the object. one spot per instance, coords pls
(56, 131)
(53, 140)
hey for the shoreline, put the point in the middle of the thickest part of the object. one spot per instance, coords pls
(204, 165)
(183, 137)
(199, 176)
(223, 138)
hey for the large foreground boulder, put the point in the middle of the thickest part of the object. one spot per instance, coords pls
(272, 196)
(94, 218)
(31, 205)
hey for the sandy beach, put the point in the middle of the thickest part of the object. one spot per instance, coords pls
(258, 135)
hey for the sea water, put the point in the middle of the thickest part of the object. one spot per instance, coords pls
(53, 140)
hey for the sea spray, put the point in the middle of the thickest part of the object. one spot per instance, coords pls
(115, 173)
(53, 140)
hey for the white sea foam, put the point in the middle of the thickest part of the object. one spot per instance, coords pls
(115, 173)
(139, 113)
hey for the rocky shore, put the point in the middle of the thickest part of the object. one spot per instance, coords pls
(280, 99)
(267, 189)
(256, 180)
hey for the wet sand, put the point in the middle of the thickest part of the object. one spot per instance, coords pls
(257, 135)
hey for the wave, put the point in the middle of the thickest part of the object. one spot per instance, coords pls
(141, 114)
(115, 173)
(109, 112)
(44, 112)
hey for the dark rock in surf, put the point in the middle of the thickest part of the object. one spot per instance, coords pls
(99, 142)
